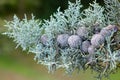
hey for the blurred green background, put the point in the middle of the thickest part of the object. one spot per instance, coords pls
(16, 64)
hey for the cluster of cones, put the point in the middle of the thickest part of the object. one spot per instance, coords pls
(80, 39)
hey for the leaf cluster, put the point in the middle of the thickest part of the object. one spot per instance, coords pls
(27, 34)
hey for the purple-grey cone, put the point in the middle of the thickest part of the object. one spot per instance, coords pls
(82, 32)
(107, 31)
(85, 45)
(91, 49)
(97, 40)
(74, 41)
(62, 40)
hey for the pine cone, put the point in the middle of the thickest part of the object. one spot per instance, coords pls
(82, 32)
(62, 40)
(74, 41)
(113, 28)
(97, 40)
(107, 31)
(85, 46)
(91, 49)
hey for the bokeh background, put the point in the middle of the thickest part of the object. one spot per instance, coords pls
(16, 64)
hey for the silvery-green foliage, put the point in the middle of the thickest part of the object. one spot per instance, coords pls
(28, 33)
(25, 32)
(73, 14)
(93, 14)
(59, 22)
(45, 56)
(112, 8)
(55, 25)
(71, 59)
(110, 58)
